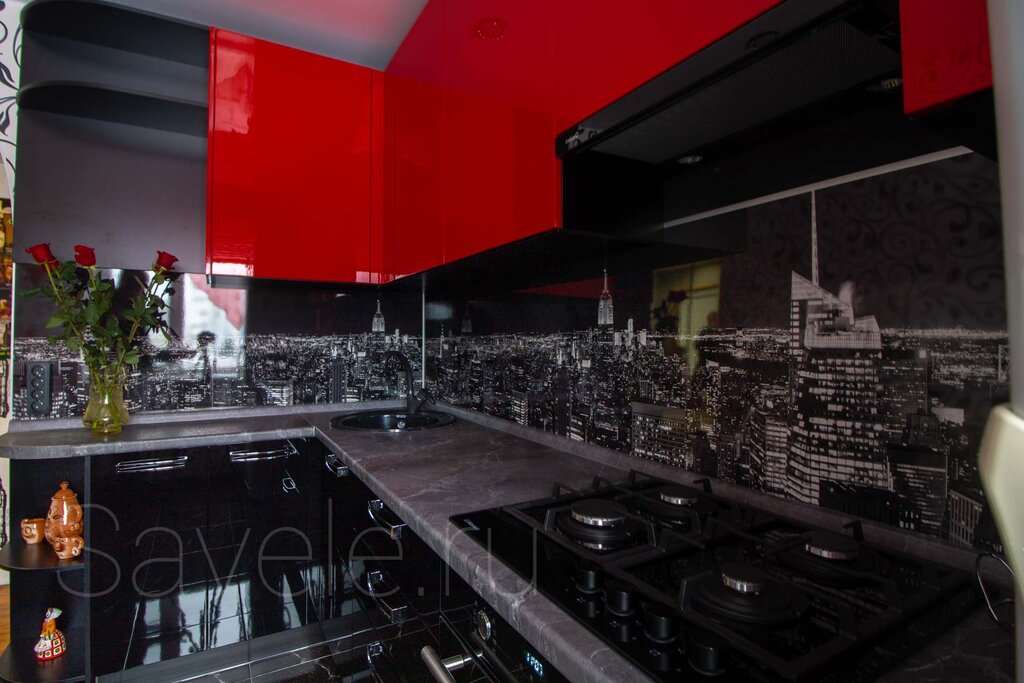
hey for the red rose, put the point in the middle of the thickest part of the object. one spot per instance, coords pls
(41, 252)
(164, 261)
(85, 256)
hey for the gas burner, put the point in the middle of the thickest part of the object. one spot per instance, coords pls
(830, 546)
(834, 559)
(679, 507)
(679, 496)
(744, 578)
(743, 592)
(600, 525)
(602, 513)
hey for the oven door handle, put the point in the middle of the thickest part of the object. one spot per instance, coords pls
(503, 672)
(441, 669)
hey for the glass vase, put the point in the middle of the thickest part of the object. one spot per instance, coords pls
(106, 412)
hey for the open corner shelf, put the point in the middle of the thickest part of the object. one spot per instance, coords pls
(22, 667)
(20, 556)
(120, 28)
(89, 101)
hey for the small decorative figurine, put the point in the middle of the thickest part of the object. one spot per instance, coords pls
(64, 519)
(32, 529)
(51, 643)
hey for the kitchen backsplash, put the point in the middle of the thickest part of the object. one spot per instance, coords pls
(272, 344)
(847, 355)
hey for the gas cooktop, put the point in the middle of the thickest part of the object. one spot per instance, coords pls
(691, 586)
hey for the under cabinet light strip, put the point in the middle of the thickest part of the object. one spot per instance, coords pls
(821, 185)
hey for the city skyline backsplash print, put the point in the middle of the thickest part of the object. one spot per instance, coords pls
(273, 344)
(859, 380)
(846, 357)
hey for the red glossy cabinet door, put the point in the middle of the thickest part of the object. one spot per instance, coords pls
(289, 156)
(501, 176)
(415, 140)
(946, 51)
(471, 110)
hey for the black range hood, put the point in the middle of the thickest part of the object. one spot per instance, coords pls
(808, 91)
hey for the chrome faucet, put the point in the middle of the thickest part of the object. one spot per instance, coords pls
(414, 399)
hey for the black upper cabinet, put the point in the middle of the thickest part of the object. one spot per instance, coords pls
(114, 27)
(112, 133)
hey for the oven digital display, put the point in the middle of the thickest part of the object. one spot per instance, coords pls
(534, 664)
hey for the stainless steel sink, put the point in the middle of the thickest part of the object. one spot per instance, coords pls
(392, 420)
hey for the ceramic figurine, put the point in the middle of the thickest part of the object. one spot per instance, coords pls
(64, 520)
(51, 643)
(32, 529)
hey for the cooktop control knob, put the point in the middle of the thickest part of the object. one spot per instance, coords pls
(618, 599)
(484, 627)
(706, 653)
(588, 577)
(659, 623)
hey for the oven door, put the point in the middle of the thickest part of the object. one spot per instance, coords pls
(469, 627)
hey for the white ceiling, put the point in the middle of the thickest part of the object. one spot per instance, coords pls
(363, 32)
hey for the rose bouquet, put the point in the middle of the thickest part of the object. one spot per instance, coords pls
(107, 338)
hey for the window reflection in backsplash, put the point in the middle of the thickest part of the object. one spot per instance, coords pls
(272, 344)
(847, 360)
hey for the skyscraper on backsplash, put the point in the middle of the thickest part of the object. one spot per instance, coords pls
(377, 325)
(605, 310)
(835, 379)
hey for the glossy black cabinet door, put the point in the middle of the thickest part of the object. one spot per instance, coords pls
(147, 568)
(202, 548)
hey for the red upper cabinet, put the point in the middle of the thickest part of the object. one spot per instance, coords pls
(289, 156)
(502, 180)
(472, 88)
(414, 139)
(946, 51)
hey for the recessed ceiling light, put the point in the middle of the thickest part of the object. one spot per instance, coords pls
(491, 28)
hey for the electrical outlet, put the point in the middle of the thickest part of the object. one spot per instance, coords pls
(38, 383)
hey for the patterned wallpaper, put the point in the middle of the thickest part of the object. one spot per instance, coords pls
(10, 70)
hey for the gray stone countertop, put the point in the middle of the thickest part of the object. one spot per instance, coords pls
(481, 462)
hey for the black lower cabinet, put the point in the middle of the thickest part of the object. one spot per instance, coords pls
(269, 561)
(203, 548)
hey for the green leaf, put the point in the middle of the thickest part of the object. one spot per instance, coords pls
(132, 357)
(56, 320)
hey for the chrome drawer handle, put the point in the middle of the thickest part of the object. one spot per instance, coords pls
(151, 465)
(335, 466)
(378, 588)
(286, 451)
(374, 650)
(385, 519)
